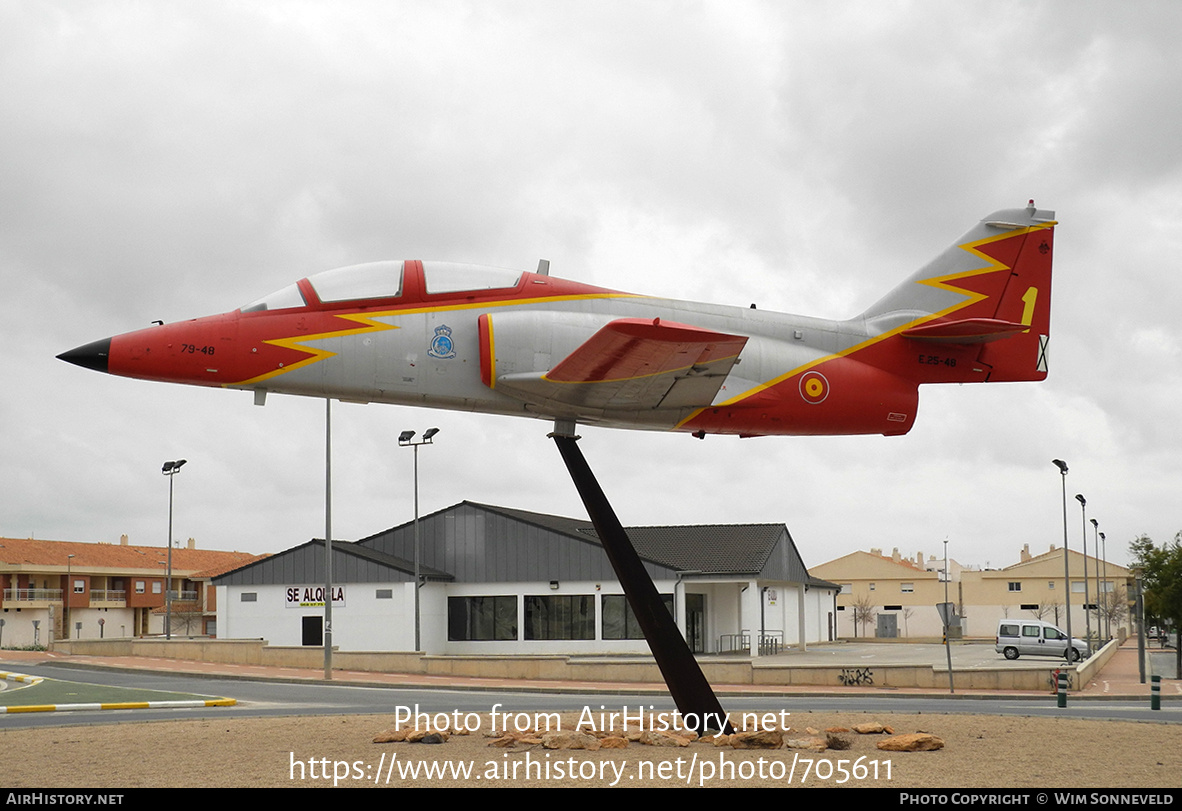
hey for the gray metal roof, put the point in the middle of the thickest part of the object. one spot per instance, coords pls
(351, 563)
(471, 542)
(749, 550)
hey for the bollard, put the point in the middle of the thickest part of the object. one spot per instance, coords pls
(1062, 688)
(1155, 693)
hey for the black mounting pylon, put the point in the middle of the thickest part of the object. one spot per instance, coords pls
(687, 683)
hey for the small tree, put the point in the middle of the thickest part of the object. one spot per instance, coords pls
(864, 613)
(1162, 579)
(1044, 610)
(1114, 606)
(186, 619)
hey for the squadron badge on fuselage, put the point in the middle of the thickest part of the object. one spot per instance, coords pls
(441, 345)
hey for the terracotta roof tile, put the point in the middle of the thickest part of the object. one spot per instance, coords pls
(27, 553)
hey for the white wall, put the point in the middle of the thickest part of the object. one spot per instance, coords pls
(119, 623)
(364, 622)
(18, 625)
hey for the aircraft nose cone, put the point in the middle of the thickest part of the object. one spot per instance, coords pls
(92, 356)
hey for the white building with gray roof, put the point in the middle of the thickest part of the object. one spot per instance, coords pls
(504, 581)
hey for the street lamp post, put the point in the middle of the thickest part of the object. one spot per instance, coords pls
(1059, 463)
(1083, 506)
(1099, 580)
(66, 598)
(405, 439)
(1111, 598)
(169, 469)
(947, 618)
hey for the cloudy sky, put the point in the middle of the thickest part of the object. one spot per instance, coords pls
(165, 160)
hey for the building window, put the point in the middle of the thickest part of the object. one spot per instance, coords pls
(482, 619)
(384, 594)
(872, 587)
(1051, 584)
(139, 587)
(560, 616)
(1077, 587)
(1029, 606)
(1015, 585)
(847, 588)
(892, 608)
(79, 586)
(907, 588)
(157, 587)
(250, 596)
(618, 620)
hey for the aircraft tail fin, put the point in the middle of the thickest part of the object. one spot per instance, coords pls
(980, 311)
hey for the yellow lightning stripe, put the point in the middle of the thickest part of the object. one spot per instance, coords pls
(297, 342)
(940, 282)
(316, 354)
(492, 356)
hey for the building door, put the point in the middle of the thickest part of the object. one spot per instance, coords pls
(695, 622)
(313, 631)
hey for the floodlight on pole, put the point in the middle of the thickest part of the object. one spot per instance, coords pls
(169, 469)
(1059, 463)
(1083, 506)
(1110, 601)
(405, 441)
(66, 598)
(1099, 580)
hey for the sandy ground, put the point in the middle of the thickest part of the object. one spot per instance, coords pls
(985, 752)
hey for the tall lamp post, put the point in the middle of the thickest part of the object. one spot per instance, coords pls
(1099, 580)
(1059, 463)
(1111, 598)
(169, 469)
(947, 618)
(405, 439)
(66, 598)
(1083, 506)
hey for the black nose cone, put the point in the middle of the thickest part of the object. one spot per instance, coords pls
(92, 356)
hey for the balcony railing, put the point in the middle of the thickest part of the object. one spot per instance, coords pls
(55, 596)
(32, 595)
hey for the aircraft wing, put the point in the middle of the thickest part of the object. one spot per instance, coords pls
(634, 363)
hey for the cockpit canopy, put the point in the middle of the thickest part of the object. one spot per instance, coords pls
(385, 280)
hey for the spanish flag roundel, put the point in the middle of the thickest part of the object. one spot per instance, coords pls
(814, 388)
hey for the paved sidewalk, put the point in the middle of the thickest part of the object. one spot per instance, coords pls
(1120, 678)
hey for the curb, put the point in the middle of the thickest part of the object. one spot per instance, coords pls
(123, 705)
(114, 705)
(28, 680)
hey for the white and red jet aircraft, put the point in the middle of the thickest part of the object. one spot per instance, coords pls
(473, 338)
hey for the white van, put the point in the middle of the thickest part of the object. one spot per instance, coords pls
(1036, 638)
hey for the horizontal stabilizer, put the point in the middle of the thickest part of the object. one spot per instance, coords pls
(965, 331)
